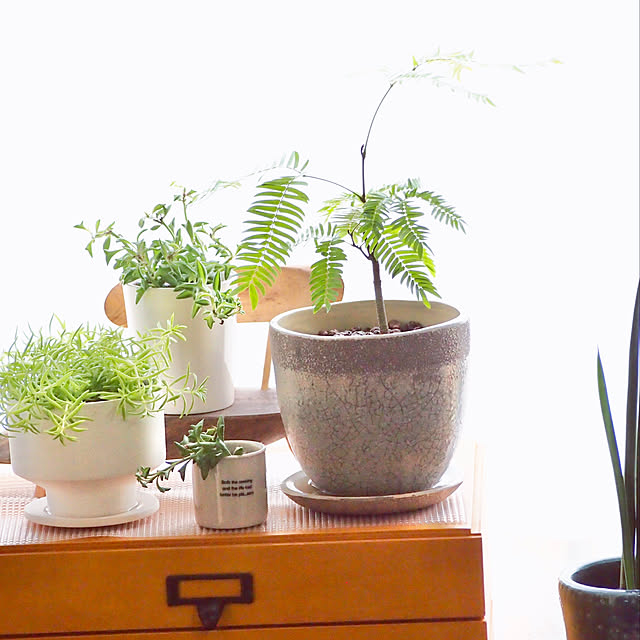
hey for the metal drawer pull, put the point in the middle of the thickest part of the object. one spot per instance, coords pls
(210, 607)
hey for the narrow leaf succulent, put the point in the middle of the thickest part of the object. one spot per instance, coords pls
(205, 448)
(52, 376)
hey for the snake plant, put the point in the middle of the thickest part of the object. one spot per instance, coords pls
(628, 480)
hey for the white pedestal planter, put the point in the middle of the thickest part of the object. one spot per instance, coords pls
(207, 352)
(95, 475)
(234, 495)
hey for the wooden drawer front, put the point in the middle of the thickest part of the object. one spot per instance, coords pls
(454, 630)
(294, 583)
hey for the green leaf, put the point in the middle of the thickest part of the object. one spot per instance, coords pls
(272, 230)
(625, 521)
(326, 274)
(632, 440)
(407, 263)
(186, 256)
(53, 376)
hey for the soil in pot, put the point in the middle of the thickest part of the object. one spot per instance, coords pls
(395, 326)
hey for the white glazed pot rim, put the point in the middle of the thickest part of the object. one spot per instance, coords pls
(459, 318)
(252, 448)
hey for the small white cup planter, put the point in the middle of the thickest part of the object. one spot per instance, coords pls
(94, 476)
(234, 494)
(207, 352)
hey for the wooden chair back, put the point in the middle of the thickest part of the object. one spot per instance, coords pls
(290, 290)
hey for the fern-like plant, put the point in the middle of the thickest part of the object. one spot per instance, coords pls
(384, 224)
(186, 256)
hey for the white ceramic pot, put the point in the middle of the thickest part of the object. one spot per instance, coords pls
(95, 475)
(234, 494)
(371, 414)
(207, 352)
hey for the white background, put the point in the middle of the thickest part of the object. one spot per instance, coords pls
(104, 104)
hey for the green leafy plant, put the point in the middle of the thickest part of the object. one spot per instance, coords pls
(53, 376)
(185, 256)
(384, 224)
(205, 448)
(627, 482)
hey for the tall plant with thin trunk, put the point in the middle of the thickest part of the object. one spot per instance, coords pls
(384, 224)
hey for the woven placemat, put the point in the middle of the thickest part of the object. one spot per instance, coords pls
(175, 516)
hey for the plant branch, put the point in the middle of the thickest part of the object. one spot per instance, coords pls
(359, 247)
(363, 150)
(337, 184)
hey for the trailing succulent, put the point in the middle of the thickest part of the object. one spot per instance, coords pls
(205, 448)
(384, 224)
(52, 377)
(186, 256)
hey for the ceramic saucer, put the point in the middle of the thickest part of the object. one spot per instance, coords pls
(38, 511)
(302, 491)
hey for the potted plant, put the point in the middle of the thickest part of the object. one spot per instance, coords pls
(601, 600)
(370, 393)
(83, 409)
(181, 269)
(229, 486)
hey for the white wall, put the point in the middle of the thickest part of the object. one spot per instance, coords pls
(105, 103)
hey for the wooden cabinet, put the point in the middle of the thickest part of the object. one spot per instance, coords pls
(300, 575)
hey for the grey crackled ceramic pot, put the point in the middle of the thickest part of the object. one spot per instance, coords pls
(373, 414)
(594, 608)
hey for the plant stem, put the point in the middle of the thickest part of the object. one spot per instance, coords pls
(363, 150)
(337, 184)
(377, 287)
